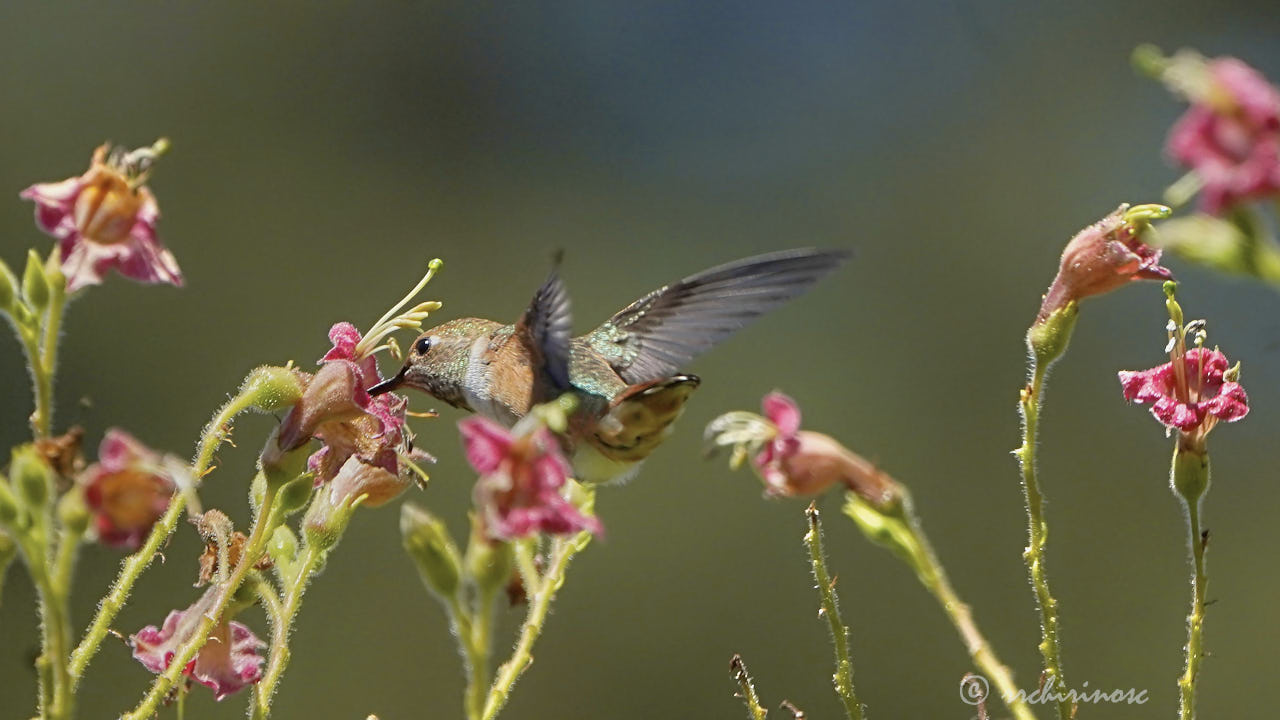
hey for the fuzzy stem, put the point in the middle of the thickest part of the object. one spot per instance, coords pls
(843, 678)
(749, 697)
(284, 612)
(131, 569)
(268, 517)
(478, 647)
(540, 598)
(1190, 479)
(1038, 531)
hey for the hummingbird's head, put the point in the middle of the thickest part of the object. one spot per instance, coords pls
(437, 361)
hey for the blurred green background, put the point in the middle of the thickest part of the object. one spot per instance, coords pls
(324, 153)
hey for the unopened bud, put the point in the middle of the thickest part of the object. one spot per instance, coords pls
(8, 288)
(427, 541)
(35, 286)
(32, 478)
(283, 549)
(295, 494)
(271, 389)
(73, 514)
(488, 562)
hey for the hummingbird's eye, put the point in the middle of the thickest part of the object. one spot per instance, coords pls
(422, 346)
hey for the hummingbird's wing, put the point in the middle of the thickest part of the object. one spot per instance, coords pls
(653, 336)
(548, 326)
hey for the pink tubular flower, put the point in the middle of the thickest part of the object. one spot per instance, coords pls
(795, 462)
(1230, 136)
(228, 662)
(1191, 393)
(1104, 256)
(126, 490)
(106, 218)
(522, 476)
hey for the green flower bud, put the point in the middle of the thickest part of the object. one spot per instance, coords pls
(9, 509)
(890, 528)
(73, 514)
(1190, 474)
(35, 286)
(8, 288)
(271, 389)
(488, 562)
(279, 466)
(32, 478)
(427, 541)
(325, 521)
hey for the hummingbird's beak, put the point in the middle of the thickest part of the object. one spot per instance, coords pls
(390, 383)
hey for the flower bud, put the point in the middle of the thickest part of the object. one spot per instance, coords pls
(1189, 477)
(9, 510)
(271, 389)
(8, 288)
(73, 513)
(35, 286)
(295, 494)
(488, 562)
(427, 541)
(283, 551)
(32, 478)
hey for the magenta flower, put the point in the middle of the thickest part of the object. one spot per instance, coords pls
(126, 490)
(1191, 392)
(1230, 136)
(228, 662)
(106, 218)
(522, 479)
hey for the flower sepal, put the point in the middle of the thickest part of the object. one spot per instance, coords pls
(428, 542)
(1048, 338)
(888, 526)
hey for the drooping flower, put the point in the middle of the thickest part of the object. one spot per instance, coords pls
(1230, 136)
(1192, 392)
(106, 218)
(228, 662)
(1104, 256)
(127, 490)
(522, 481)
(794, 462)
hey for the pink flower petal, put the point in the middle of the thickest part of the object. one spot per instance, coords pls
(486, 442)
(783, 412)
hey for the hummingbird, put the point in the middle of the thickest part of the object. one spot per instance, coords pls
(625, 373)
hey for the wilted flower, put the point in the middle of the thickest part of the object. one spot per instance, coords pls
(106, 218)
(794, 462)
(522, 479)
(127, 490)
(1105, 256)
(1230, 136)
(228, 662)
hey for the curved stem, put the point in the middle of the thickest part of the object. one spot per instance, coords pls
(749, 697)
(131, 569)
(843, 678)
(1037, 532)
(540, 598)
(268, 518)
(1190, 480)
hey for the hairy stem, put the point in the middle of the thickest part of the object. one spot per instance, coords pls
(749, 697)
(478, 647)
(1038, 531)
(843, 678)
(284, 613)
(540, 598)
(1190, 480)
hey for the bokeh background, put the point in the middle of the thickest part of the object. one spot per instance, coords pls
(323, 154)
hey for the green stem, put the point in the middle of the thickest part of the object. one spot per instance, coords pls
(133, 566)
(749, 697)
(540, 598)
(41, 382)
(843, 678)
(268, 518)
(56, 696)
(1038, 531)
(984, 657)
(478, 649)
(1190, 481)
(284, 613)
